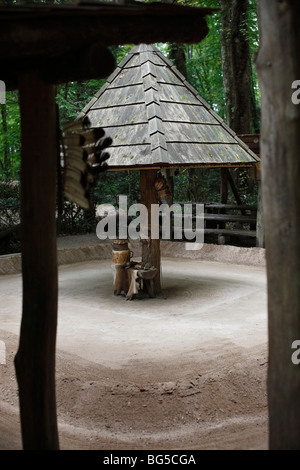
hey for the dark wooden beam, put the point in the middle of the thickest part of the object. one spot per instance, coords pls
(35, 359)
(40, 33)
(92, 61)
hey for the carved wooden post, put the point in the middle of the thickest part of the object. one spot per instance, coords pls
(279, 66)
(35, 359)
(150, 250)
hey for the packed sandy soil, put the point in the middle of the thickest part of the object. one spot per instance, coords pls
(184, 371)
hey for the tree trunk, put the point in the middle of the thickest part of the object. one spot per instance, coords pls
(236, 65)
(278, 66)
(35, 359)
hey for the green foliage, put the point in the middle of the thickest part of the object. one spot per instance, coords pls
(115, 183)
(9, 215)
(10, 138)
(197, 185)
(71, 97)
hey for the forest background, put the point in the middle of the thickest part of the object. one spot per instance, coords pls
(221, 68)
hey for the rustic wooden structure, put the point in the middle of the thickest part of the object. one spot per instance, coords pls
(253, 142)
(158, 121)
(278, 67)
(42, 45)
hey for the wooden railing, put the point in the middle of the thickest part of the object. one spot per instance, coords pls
(224, 221)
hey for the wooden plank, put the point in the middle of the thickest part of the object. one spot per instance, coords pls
(130, 155)
(128, 135)
(126, 77)
(35, 359)
(186, 113)
(120, 96)
(227, 218)
(183, 153)
(231, 218)
(230, 207)
(224, 232)
(165, 165)
(135, 114)
(176, 94)
(197, 133)
(165, 75)
(232, 233)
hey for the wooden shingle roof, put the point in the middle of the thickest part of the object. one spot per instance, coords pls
(157, 119)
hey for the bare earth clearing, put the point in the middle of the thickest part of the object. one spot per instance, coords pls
(184, 371)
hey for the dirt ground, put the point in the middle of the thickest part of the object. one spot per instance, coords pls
(183, 371)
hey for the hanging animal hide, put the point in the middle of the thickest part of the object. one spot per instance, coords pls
(162, 188)
(83, 158)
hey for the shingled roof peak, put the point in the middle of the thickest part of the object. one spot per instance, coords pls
(157, 119)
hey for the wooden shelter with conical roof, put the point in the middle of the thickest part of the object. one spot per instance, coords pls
(157, 120)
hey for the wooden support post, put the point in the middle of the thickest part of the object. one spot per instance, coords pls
(279, 67)
(233, 188)
(35, 359)
(150, 249)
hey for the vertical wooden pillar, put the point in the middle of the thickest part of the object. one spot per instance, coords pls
(35, 359)
(151, 249)
(278, 67)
